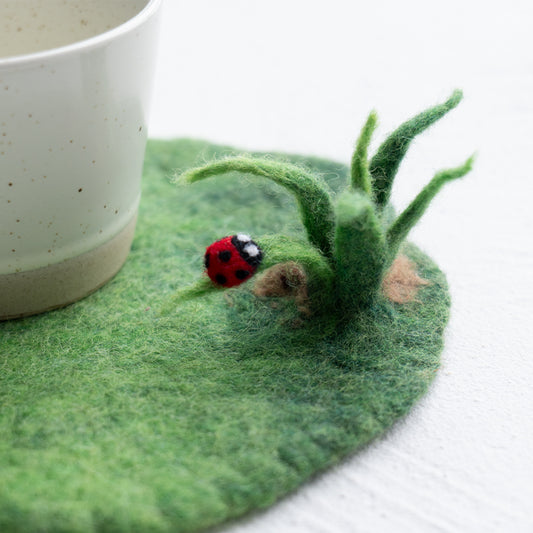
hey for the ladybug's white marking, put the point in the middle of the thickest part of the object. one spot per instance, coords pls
(243, 237)
(252, 250)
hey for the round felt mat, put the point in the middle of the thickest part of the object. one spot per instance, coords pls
(115, 419)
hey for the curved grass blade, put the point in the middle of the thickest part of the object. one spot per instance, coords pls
(402, 225)
(360, 251)
(280, 248)
(311, 193)
(361, 178)
(200, 288)
(385, 163)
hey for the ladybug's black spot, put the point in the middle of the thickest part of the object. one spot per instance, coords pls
(224, 256)
(206, 260)
(221, 279)
(242, 274)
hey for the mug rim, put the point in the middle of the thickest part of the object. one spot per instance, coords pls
(85, 44)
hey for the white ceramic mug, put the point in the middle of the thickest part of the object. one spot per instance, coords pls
(75, 85)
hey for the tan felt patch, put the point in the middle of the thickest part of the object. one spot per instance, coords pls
(285, 279)
(401, 283)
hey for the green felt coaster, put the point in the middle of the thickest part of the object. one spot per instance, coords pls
(113, 418)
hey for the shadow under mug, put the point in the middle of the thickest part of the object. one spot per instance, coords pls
(74, 95)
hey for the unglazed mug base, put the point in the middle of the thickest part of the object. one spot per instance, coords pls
(54, 286)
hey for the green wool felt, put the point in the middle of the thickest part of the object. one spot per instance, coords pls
(114, 419)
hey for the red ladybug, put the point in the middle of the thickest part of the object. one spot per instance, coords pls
(232, 260)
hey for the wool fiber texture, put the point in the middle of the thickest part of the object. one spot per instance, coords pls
(116, 419)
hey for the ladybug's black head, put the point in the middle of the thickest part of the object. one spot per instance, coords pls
(248, 249)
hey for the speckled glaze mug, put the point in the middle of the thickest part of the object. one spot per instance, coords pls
(75, 85)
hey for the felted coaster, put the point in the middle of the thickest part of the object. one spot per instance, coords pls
(114, 418)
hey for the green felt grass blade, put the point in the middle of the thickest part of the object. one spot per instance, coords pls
(402, 225)
(359, 251)
(280, 248)
(360, 174)
(385, 163)
(202, 287)
(311, 193)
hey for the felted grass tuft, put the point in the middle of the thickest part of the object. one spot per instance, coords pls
(357, 235)
(113, 418)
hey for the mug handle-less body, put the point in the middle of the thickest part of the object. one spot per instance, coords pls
(74, 125)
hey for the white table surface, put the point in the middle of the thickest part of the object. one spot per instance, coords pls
(300, 76)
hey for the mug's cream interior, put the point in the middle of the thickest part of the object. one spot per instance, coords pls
(28, 26)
